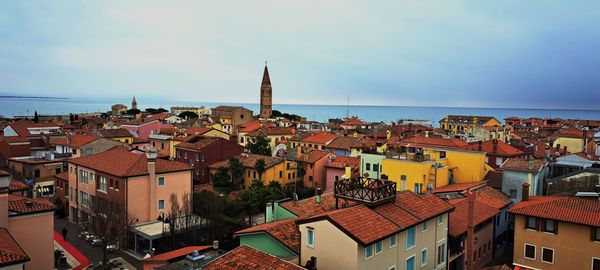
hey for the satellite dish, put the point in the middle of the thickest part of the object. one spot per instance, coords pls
(279, 150)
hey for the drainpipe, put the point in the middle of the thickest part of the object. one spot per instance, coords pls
(151, 155)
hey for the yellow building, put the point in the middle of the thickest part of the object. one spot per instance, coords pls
(460, 123)
(273, 134)
(276, 169)
(434, 168)
(573, 139)
(117, 134)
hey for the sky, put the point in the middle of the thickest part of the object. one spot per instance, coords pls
(512, 54)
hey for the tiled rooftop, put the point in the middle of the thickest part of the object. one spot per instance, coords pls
(119, 161)
(19, 205)
(77, 140)
(248, 258)
(522, 165)
(459, 217)
(10, 251)
(568, 209)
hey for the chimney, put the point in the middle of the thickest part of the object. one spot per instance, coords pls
(557, 147)
(311, 264)
(151, 155)
(530, 163)
(4, 188)
(388, 134)
(547, 152)
(426, 133)
(495, 142)
(525, 192)
(565, 150)
(471, 197)
(318, 195)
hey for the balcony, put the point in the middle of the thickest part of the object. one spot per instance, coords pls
(368, 191)
(415, 157)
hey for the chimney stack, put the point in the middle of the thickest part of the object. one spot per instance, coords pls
(470, 245)
(318, 195)
(151, 155)
(495, 142)
(525, 192)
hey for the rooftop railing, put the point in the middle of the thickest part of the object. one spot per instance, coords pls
(365, 190)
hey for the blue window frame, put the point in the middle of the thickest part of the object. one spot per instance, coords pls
(410, 237)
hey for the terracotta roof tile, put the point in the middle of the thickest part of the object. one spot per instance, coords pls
(198, 142)
(424, 206)
(568, 209)
(10, 251)
(459, 217)
(197, 130)
(16, 185)
(320, 138)
(433, 142)
(174, 254)
(341, 162)
(344, 143)
(309, 207)
(77, 140)
(284, 231)
(502, 148)
(522, 165)
(114, 133)
(272, 131)
(119, 161)
(457, 187)
(20, 205)
(353, 121)
(248, 258)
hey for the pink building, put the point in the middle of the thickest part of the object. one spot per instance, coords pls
(141, 128)
(138, 181)
(313, 161)
(26, 230)
(336, 170)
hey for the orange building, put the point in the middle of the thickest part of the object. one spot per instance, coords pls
(556, 233)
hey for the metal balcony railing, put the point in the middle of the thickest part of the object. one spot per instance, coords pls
(365, 190)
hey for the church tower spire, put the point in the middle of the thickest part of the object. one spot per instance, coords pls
(134, 103)
(266, 95)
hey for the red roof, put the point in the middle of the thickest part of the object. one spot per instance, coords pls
(309, 207)
(522, 165)
(567, 209)
(272, 131)
(249, 258)
(160, 116)
(313, 156)
(15, 139)
(197, 130)
(114, 133)
(77, 140)
(21, 127)
(433, 142)
(345, 143)
(198, 142)
(254, 125)
(367, 225)
(353, 121)
(502, 148)
(459, 217)
(16, 185)
(174, 254)
(10, 251)
(320, 138)
(23, 205)
(283, 230)
(342, 162)
(119, 161)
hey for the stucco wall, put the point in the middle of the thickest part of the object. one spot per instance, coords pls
(333, 249)
(35, 234)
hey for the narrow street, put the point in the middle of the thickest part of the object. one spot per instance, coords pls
(93, 253)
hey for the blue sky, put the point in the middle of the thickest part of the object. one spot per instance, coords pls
(532, 54)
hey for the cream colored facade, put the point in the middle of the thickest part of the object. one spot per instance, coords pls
(572, 245)
(336, 250)
(574, 145)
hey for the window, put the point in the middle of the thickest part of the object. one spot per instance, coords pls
(280, 174)
(36, 173)
(57, 170)
(547, 255)
(442, 154)
(497, 220)
(529, 251)
(83, 177)
(161, 181)
(440, 219)
(161, 204)
(596, 234)
(531, 223)
(368, 252)
(441, 259)
(425, 226)
(595, 263)
(310, 237)
(102, 184)
(116, 185)
(550, 226)
(513, 193)
(423, 257)
(410, 237)
(162, 145)
(393, 240)
(74, 151)
(337, 178)
(368, 166)
(378, 247)
(410, 263)
(375, 167)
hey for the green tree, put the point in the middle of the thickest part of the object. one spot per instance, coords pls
(260, 168)
(221, 177)
(188, 115)
(131, 112)
(259, 147)
(36, 117)
(236, 169)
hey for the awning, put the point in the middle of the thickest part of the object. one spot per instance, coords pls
(150, 230)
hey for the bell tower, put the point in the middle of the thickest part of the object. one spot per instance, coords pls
(266, 95)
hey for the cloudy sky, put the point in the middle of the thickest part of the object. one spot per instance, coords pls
(533, 54)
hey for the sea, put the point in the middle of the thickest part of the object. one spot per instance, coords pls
(27, 106)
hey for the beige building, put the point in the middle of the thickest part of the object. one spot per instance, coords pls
(557, 233)
(408, 234)
(197, 110)
(230, 117)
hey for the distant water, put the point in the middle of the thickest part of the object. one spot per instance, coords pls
(10, 107)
